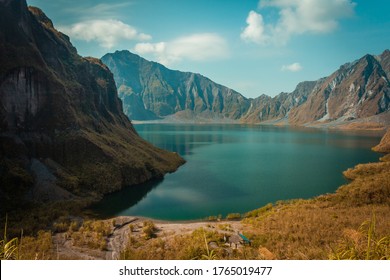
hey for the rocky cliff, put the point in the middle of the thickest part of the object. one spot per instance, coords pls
(62, 130)
(357, 90)
(151, 91)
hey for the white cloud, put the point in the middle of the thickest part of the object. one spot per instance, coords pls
(295, 67)
(107, 33)
(196, 47)
(254, 32)
(297, 17)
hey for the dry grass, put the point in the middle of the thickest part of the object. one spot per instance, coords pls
(312, 229)
(92, 234)
(363, 244)
(233, 216)
(329, 226)
(148, 230)
(39, 247)
(335, 226)
(9, 249)
(202, 243)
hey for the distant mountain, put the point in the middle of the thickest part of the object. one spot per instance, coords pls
(266, 108)
(151, 91)
(357, 90)
(62, 129)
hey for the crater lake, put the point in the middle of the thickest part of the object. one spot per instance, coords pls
(234, 168)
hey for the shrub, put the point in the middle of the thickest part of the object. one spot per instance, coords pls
(233, 216)
(60, 226)
(260, 211)
(148, 230)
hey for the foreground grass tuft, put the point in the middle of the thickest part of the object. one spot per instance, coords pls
(363, 244)
(9, 249)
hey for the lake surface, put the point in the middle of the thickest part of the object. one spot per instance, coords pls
(238, 168)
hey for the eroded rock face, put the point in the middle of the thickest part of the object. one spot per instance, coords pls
(357, 90)
(265, 108)
(151, 91)
(63, 110)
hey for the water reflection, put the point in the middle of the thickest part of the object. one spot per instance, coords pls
(116, 203)
(184, 138)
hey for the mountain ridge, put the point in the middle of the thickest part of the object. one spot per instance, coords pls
(159, 91)
(306, 105)
(356, 90)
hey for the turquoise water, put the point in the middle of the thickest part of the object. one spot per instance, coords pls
(237, 168)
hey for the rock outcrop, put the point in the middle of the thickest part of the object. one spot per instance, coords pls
(61, 112)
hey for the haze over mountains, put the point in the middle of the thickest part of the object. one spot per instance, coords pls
(151, 91)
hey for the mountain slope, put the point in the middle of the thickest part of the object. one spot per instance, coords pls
(357, 90)
(62, 130)
(151, 91)
(265, 108)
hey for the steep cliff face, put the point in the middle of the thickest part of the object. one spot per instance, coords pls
(357, 90)
(151, 91)
(63, 111)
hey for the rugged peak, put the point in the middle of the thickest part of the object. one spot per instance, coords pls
(370, 59)
(386, 53)
(126, 52)
(384, 60)
(149, 90)
(125, 55)
(357, 90)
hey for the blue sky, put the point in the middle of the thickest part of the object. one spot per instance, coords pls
(255, 47)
